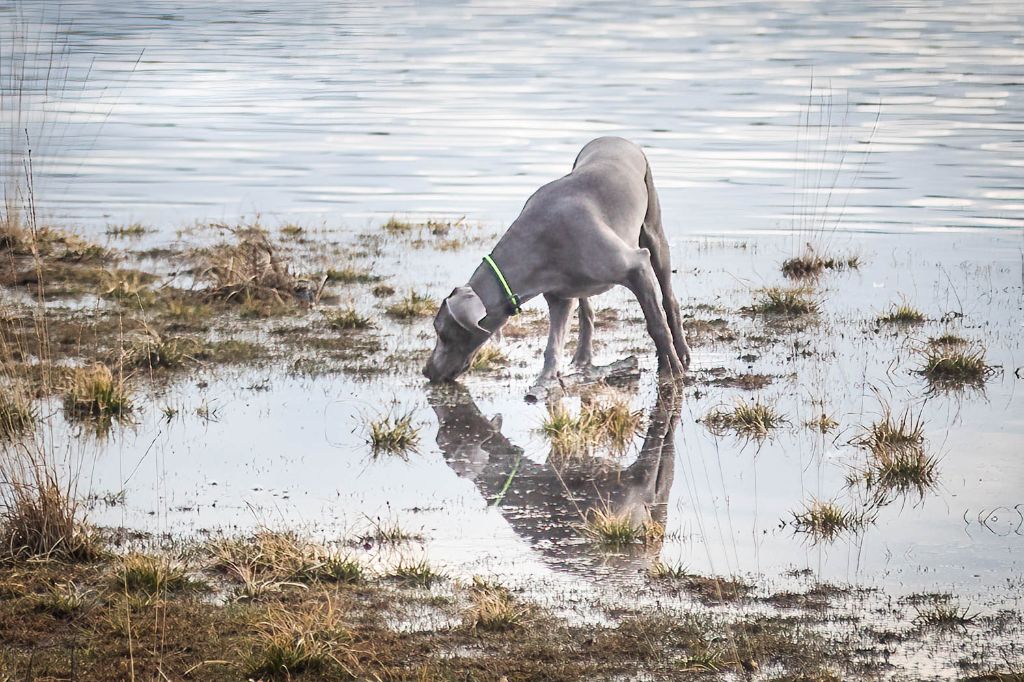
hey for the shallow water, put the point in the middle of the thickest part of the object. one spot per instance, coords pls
(756, 116)
(906, 151)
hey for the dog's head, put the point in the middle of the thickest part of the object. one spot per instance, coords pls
(459, 335)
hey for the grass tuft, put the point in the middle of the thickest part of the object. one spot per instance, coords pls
(287, 643)
(902, 313)
(812, 264)
(891, 432)
(493, 608)
(412, 306)
(96, 392)
(416, 573)
(395, 225)
(823, 423)
(63, 600)
(751, 419)
(789, 301)
(672, 573)
(41, 518)
(152, 575)
(347, 319)
(17, 413)
(487, 359)
(618, 530)
(350, 274)
(826, 520)
(605, 420)
(945, 616)
(955, 366)
(393, 433)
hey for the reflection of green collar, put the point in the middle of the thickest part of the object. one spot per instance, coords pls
(496, 502)
(512, 298)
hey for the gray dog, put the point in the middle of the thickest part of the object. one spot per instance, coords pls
(576, 237)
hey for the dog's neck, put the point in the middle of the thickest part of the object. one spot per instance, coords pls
(486, 285)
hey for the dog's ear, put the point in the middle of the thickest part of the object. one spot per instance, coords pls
(467, 309)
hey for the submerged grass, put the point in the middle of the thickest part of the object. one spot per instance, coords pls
(752, 419)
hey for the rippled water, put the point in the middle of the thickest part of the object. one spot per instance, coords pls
(791, 117)
(861, 115)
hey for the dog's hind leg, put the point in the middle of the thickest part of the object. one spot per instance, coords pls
(652, 238)
(642, 281)
(558, 312)
(585, 345)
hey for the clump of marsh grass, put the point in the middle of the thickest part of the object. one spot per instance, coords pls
(948, 339)
(751, 419)
(250, 271)
(17, 413)
(347, 319)
(417, 573)
(669, 572)
(64, 600)
(826, 519)
(897, 459)
(130, 230)
(823, 423)
(948, 366)
(412, 306)
(493, 608)
(152, 575)
(900, 470)
(785, 301)
(811, 264)
(270, 560)
(97, 392)
(945, 616)
(40, 516)
(393, 433)
(622, 529)
(150, 350)
(902, 313)
(605, 419)
(395, 225)
(350, 274)
(288, 643)
(892, 432)
(488, 359)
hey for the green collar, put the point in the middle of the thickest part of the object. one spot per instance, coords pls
(512, 298)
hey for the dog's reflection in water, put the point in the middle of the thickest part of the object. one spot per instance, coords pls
(547, 503)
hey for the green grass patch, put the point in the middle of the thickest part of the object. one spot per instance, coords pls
(752, 419)
(393, 433)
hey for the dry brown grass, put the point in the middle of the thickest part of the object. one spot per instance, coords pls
(605, 420)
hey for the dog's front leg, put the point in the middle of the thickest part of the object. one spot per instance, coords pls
(558, 313)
